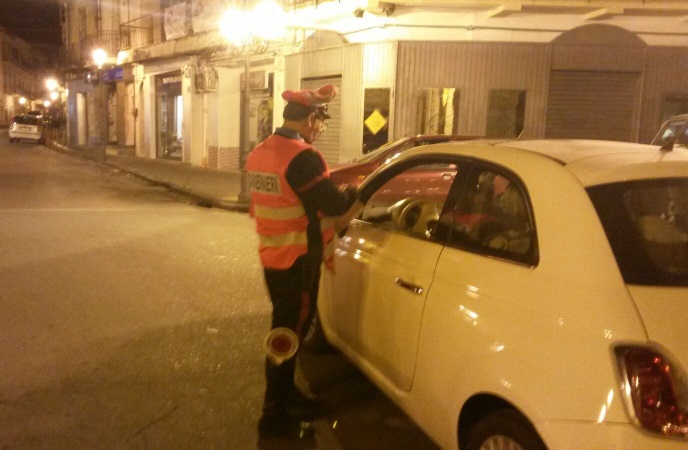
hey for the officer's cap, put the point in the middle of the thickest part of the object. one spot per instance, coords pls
(311, 100)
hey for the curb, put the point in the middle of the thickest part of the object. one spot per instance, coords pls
(198, 198)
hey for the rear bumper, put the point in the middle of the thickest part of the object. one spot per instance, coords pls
(565, 434)
(25, 135)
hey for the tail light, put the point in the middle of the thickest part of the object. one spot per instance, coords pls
(655, 388)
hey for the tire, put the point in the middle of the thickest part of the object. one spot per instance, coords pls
(504, 429)
(315, 341)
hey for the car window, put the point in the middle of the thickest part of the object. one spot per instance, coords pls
(493, 217)
(646, 223)
(413, 200)
(26, 120)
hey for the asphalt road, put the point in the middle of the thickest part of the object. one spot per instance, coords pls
(131, 318)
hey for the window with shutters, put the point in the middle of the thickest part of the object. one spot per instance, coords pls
(439, 111)
(506, 113)
(673, 105)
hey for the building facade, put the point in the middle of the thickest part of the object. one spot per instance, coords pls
(174, 88)
(22, 72)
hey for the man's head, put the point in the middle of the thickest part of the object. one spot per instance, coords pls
(306, 110)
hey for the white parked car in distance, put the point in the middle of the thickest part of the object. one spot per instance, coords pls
(521, 294)
(27, 126)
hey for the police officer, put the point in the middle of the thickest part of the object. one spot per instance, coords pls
(292, 199)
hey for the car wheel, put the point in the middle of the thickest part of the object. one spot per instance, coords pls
(315, 341)
(504, 430)
(12, 140)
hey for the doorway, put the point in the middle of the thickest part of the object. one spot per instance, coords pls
(170, 116)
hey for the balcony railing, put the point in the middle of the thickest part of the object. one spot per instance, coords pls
(72, 58)
(107, 40)
(136, 33)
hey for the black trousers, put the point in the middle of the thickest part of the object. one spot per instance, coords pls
(293, 293)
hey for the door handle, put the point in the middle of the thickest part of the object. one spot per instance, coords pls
(410, 286)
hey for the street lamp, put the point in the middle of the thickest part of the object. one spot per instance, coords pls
(100, 57)
(51, 84)
(250, 31)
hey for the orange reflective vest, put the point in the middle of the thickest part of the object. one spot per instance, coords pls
(281, 220)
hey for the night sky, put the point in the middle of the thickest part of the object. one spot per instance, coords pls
(37, 21)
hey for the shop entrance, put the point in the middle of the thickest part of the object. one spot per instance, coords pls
(170, 114)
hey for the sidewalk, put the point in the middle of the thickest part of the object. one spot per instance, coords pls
(209, 187)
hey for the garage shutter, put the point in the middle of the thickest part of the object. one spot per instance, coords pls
(328, 142)
(592, 105)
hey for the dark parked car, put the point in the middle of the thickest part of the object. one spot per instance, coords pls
(676, 129)
(355, 171)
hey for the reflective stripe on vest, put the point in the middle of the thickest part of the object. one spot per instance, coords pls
(283, 213)
(281, 220)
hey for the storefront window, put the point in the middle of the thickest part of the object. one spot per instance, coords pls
(673, 106)
(170, 115)
(439, 111)
(375, 118)
(506, 113)
(261, 107)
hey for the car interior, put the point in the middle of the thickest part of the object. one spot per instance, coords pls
(490, 215)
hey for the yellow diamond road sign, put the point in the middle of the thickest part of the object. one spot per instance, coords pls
(375, 121)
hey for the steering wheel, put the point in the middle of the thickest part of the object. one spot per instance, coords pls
(418, 215)
(396, 209)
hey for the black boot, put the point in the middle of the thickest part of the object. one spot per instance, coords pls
(283, 426)
(304, 405)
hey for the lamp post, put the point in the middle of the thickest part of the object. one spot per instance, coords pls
(22, 103)
(250, 30)
(55, 110)
(100, 57)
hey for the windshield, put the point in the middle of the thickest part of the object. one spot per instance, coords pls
(26, 120)
(377, 152)
(669, 130)
(647, 226)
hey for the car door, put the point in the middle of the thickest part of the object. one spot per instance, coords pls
(388, 256)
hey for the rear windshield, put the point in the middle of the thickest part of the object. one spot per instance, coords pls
(647, 226)
(26, 120)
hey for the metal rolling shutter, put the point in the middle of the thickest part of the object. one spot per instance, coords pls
(328, 142)
(592, 105)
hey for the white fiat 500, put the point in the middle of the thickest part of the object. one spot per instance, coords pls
(521, 295)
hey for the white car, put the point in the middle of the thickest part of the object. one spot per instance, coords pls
(522, 294)
(27, 126)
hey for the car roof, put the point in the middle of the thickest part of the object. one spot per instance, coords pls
(593, 162)
(444, 137)
(678, 117)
